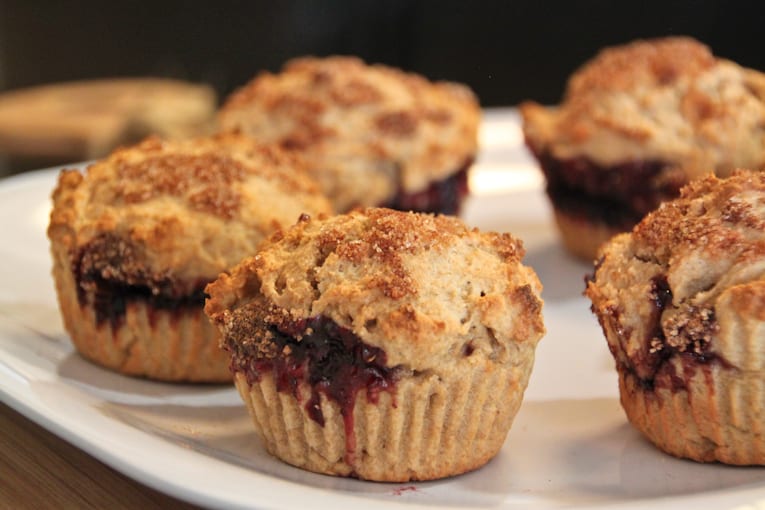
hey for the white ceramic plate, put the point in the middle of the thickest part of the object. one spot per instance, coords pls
(570, 444)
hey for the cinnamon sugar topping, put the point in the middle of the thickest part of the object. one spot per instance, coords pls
(327, 109)
(397, 271)
(675, 281)
(661, 62)
(667, 100)
(401, 123)
(203, 180)
(180, 211)
(355, 93)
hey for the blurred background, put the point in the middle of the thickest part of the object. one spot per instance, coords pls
(505, 51)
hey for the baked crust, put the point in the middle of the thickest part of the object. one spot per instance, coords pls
(639, 121)
(153, 223)
(367, 130)
(406, 273)
(681, 301)
(450, 309)
(168, 202)
(666, 100)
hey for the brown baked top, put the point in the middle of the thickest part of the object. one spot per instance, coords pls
(179, 211)
(666, 100)
(425, 289)
(364, 129)
(689, 280)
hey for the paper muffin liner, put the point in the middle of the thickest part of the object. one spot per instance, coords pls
(715, 412)
(426, 428)
(580, 236)
(169, 345)
(717, 418)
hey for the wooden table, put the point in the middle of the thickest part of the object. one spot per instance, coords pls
(72, 122)
(38, 470)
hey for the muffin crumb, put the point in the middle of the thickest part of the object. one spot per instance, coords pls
(686, 342)
(378, 337)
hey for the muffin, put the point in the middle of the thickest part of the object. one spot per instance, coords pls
(136, 238)
(636, 123)
(681, 300)
(381, 344)
(372, 135)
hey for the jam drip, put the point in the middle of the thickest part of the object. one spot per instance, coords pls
(108, 279)
(618, 195)
(442, 197)
(331, 360)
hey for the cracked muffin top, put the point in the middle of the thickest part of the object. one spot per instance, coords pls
(171, 215)
(426, 289)
(666, 100)
(365, 130)
(689, 280)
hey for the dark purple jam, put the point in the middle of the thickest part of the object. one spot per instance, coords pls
(444, 197)
(618, 195)
(661, 296)
(106, 282)
(110, 298)
(331, 359)
(662, 372)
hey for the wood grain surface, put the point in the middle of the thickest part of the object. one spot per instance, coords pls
(38, 470)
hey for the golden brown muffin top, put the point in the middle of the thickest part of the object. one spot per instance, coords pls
(365, 129)
(426, 289)
(180, 211)
(667, 100)
(688, 277)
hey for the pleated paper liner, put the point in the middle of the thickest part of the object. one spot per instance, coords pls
(170, 345)
(717, 418)
(426, 428)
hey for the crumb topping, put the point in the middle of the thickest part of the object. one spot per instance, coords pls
(355, 93)
(253, 324)
(719, 216)
(204, 180)
(660, 62)
(179, 211)
(668, 100)
(689, 329)
(354, 122)
(401, 123)
(112, 258)
(420, 287)
(388, 237)
(669, 294)
(110, 272)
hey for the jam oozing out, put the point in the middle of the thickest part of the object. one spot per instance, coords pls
(443, 197)
(333, 361)
(110, 300)
(662, 372)
(109, 297)
(618, 195)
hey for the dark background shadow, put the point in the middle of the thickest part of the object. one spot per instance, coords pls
(506, 51)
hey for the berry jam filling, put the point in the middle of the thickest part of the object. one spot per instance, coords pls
(109, 299)
(656, 359)
(444, 197)
(618, 195)
(110, 295)
(331, 360)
